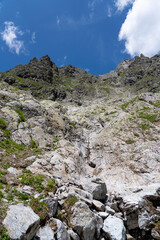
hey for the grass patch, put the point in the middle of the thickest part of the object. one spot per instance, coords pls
(1, 195)
(155, 104)
(39, 208)
(145, 126)
(72, 124)
(3, 124)
(69, 202)
(33, 144)
(130, 141)
(125, 105)
(107, 90)
(3, 233)
(150, 117)
(33, 180)
(51, 186)
(113, 112)
(3, 128)
(11, 146)
(21, 116)
(136, 134)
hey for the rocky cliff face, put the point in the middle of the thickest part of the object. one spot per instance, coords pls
(80, 154)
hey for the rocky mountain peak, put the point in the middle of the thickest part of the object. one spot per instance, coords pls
(80, 154)
(45, 60)
(33, 61)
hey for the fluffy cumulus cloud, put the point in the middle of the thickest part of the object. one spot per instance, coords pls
(141, 29)
(10, 36)
(121, 4)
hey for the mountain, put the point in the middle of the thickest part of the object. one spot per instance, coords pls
(79, 153)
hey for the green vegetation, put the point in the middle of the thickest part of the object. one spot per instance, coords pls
(113, 112)
(11, 146)
(125, 105)
(21, 116)
(148, 116)
(136, 134)
(145, 126)
(130, 141)
(51, 186)
(69, 202)
(33, 144)
(56, 140)
(1, 195)
(3, 124)
(3, 233)
(155, 104)
(33, 180)
(39, 208)
(3, 128)
(107, 90)
(72, 124)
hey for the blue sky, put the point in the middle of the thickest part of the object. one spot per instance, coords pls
(91, 34)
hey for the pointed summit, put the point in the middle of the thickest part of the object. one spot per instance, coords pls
(45, 60)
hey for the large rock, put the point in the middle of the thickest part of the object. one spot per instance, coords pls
(97, 188)
(98, 205)
(73, 235)
(114, 229)
(85, 222)
(52, 204)
(21, 222)
(45, 233)
(61, 231)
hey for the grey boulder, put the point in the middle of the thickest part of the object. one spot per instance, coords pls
(21, 222)
(97, 188)
(85, 222)
(45, 233)
(114, 229)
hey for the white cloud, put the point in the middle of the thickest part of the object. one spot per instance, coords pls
(33, 38)
(121, 4)
(58, 20)
(87, 70)
(109, 12)
(10, 36)
(141, 29)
